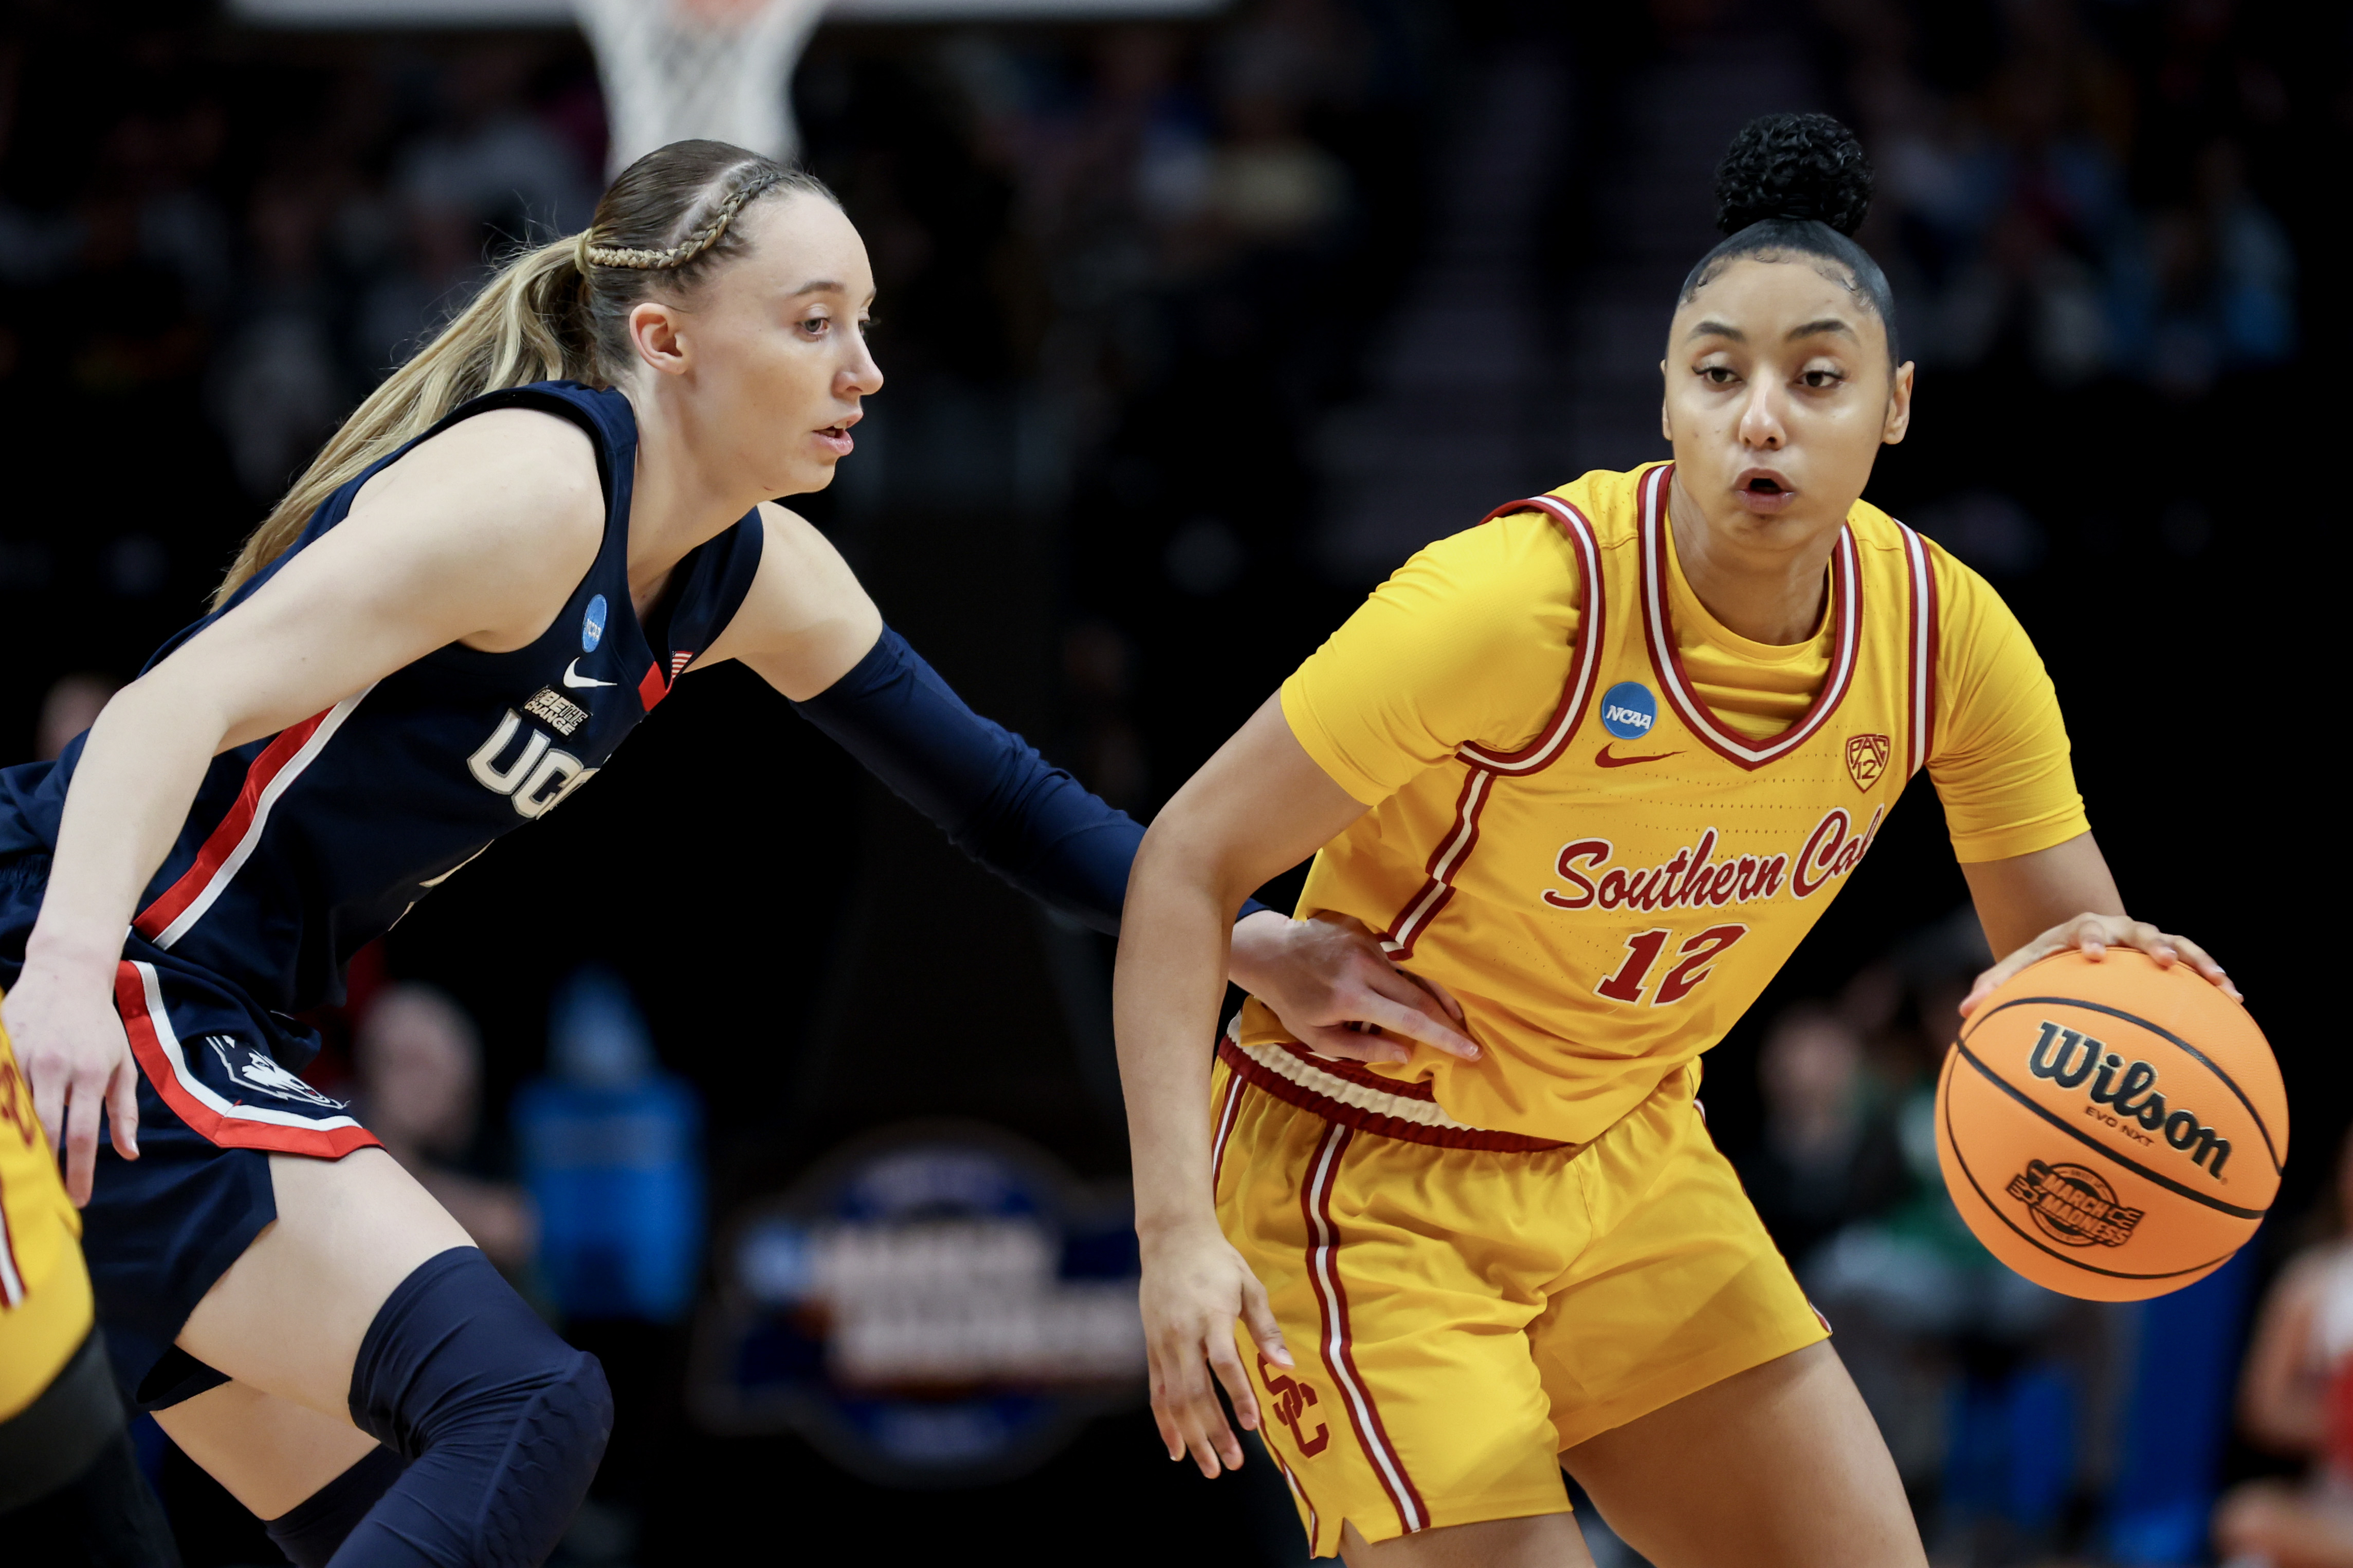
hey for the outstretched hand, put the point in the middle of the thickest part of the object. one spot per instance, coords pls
(2093, 935)
(69, 1042)
(1195, 1287)
(1337, 993)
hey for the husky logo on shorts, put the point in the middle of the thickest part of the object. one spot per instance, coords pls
(249, 1067)
(1292, 1400)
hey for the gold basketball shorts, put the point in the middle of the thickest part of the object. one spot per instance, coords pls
(1462, 1305)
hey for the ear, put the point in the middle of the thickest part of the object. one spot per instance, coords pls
(656, 332)
(1666, 425)
(1899, 405)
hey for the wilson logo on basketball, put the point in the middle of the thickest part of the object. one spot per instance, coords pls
(2072, 1205)
(1866, 759)
(2067, 1057)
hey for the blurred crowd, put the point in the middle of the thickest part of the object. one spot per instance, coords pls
(1125, 270)
(2074, 190)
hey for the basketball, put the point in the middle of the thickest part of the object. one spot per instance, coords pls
(2111, 1130)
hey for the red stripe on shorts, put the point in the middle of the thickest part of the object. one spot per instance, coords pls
(1339, 1353)
(1314, 1520)
(1224, 1131)
(154, 1045)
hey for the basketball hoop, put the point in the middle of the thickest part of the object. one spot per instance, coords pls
(674, 70)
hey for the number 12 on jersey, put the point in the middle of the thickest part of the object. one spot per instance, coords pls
(1697, 955)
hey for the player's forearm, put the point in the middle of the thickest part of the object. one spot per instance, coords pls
(1172, 954)
(2020, 897)
(139, 771)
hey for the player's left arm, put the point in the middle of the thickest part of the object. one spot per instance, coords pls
(809, 630)
(2035, 905)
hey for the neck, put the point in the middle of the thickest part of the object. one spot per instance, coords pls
(677, 500)
(1764, 581)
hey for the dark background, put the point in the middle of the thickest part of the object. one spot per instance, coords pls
(1143, 446)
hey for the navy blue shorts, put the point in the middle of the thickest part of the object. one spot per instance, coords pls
(214, 1104)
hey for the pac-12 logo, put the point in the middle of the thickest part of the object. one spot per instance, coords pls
(1866, 759)
(592, 625)
(1628, 710)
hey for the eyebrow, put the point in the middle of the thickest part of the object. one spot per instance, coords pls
(1716, 329)
(822, 286)
(1815, 329)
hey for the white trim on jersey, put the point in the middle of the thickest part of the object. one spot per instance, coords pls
(1847, 592)
(277, 784)
(229, 1110)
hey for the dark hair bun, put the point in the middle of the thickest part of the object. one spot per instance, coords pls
(1793, 166)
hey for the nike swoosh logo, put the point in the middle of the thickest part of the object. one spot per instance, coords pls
(577, 681)
(1607, 761)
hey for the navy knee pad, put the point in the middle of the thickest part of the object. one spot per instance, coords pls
(501, 1422)
(311, 1530)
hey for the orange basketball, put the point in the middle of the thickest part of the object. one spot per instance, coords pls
(2114, 1130)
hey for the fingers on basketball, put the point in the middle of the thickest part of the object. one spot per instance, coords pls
(2112, 1130)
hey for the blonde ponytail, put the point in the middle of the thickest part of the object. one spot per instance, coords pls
(555, 312)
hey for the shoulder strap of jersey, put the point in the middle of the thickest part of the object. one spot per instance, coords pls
(716, 576)
(1482, 766)
(1539, 753)
(1920, 682)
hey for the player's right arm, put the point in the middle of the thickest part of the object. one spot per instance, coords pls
(479, 536)
(1257, 808)
(1443, 652)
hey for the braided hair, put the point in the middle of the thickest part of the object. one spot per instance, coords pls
(558, 312)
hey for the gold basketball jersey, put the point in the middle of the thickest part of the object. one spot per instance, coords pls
(1606, 899)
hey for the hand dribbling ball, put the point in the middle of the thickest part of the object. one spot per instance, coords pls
(2111, 1130)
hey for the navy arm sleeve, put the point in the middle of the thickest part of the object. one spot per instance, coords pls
(997, 799)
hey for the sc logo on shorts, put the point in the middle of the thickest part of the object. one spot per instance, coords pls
(1628, 710)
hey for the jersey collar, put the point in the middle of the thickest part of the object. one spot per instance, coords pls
(1846, 612)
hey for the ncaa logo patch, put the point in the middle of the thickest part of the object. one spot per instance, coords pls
(592, 625)
(1628, 710)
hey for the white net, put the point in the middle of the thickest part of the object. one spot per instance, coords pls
(679, 68)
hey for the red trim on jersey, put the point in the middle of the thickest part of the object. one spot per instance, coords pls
(1478, 784)
(1341, 1113)
(1224, 1131)
(657, 683)
(1551, 742)
(154, 1045)
(1339, 1350)
(1541, 752)
(224, 839)
(1845, 608)
(1921, 687)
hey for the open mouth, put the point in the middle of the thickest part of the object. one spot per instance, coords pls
(1764, 484)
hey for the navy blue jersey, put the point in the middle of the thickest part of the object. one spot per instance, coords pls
(303, 847)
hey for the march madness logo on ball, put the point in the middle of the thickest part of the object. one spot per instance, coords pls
(2072, 1205)
(1628, 710)
(1866, 759)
